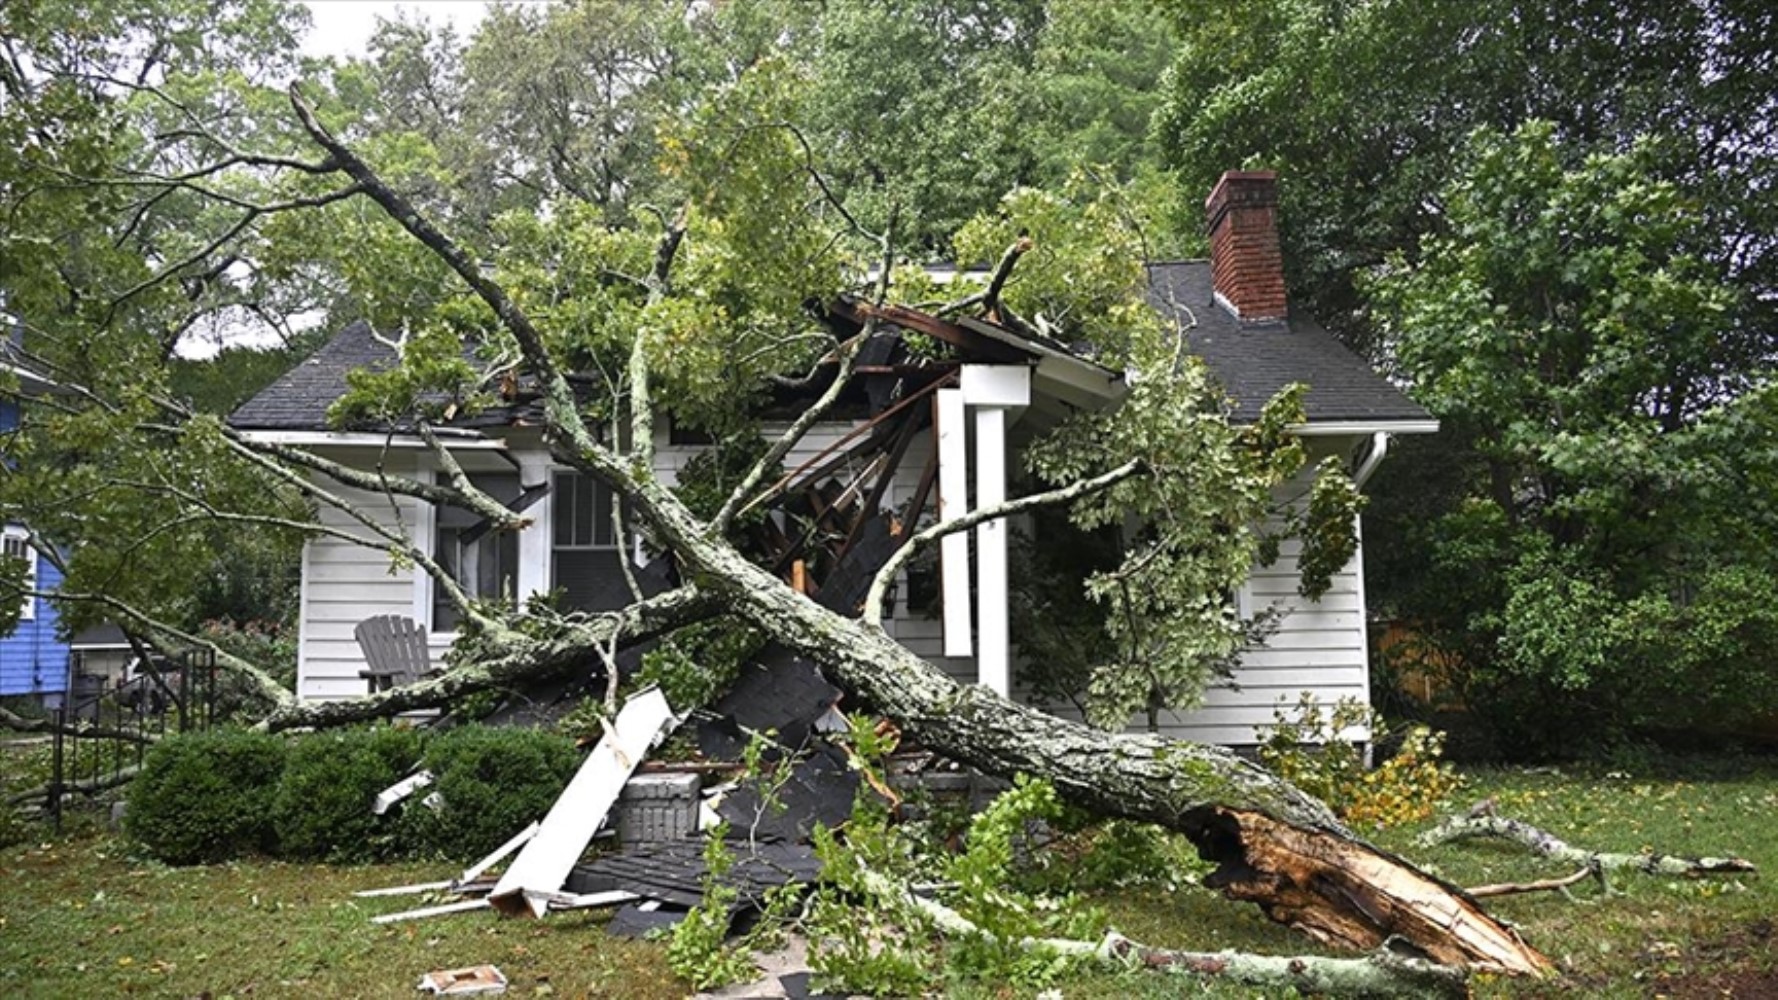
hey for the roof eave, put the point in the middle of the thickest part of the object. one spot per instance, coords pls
(308, 438)
(1336, 428)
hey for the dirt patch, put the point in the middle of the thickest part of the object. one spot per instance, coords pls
(1737, 965)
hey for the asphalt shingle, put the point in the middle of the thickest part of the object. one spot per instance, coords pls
(1255, 360)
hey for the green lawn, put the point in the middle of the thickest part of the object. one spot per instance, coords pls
(84, 917)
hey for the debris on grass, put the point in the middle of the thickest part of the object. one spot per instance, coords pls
(477, 980)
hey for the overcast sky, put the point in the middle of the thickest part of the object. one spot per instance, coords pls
(342, 27)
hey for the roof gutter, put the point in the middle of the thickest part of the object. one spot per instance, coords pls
(1347, 428)
(363, 439)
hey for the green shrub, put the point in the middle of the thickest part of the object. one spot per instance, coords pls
(322, 809)
(492, 782)
(204, 797)
(1308, 751)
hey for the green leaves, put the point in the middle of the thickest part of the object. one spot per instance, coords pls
(1188, 528)
(1597, 368)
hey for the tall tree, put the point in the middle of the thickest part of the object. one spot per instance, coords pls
(1601, 560)
(1363, 104)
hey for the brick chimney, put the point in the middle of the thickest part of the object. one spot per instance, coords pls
(1246, 266)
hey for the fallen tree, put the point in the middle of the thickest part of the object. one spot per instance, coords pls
(1276, 846)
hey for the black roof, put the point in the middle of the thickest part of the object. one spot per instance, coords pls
(1255, 360)
(299, 398)
(1252, 360)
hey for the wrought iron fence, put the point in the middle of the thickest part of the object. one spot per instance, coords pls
(103, 729)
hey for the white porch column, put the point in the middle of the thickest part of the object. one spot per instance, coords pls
(994, 661)
(953, 502)
(993, 390)
(535, 550)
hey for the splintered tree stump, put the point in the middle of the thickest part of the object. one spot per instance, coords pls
(1350, 895)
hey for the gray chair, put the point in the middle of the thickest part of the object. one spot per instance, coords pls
(395, 649)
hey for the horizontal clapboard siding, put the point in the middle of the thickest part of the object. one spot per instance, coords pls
(1319, 646)
(344, 583)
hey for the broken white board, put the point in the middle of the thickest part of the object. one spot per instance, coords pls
(544, 863)
(518, 840)
(580, 901)
(461, 906)
(400, 790)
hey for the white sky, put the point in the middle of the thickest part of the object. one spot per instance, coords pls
(343, 27)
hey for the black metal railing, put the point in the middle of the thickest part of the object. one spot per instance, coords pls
(103, 729)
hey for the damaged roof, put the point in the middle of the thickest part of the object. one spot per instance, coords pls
(1252, 360)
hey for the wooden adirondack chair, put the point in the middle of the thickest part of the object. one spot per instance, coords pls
(395, 648)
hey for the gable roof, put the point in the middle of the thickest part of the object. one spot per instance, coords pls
(1252, 360)
(1255, 360)
(299, 399)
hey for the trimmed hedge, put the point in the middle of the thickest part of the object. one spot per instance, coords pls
(322, 808)
(492, 782)
(206, 797)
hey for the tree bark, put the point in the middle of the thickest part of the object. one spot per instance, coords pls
(1481, 823)
(506, 657)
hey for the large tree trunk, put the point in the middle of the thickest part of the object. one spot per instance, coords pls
(1275, 845)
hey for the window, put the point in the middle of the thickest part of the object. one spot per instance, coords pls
(582, 513)
(584, 556)
(18, 546)
(484, 562)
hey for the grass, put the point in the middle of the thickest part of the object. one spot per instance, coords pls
(85, 917)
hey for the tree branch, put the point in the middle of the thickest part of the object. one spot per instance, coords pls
(660, 285)
(1002, 271)
(1384, 973)
(847, 356)
(503, 657)
(879, 587)
(246, 219)
(398, 541)
(1482, 822)
(20, 724)
(263, 683)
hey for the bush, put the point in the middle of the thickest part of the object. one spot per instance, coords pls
(493, 783)
(322, 809)
(1308, 751)
(206, 797)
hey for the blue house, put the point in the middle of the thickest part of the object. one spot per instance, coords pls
(33, 659)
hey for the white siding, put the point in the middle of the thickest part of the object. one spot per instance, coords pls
(343, 584)
(1319, 645)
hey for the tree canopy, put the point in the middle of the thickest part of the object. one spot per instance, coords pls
(651, 195)
(1603, 548)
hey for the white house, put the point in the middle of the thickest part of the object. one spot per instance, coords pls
(921, 441)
